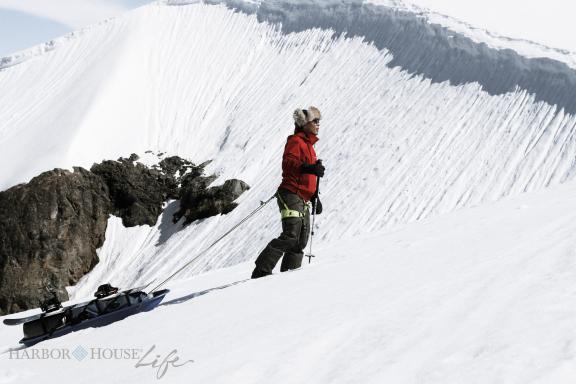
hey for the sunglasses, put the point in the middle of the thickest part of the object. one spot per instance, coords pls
(316, 121)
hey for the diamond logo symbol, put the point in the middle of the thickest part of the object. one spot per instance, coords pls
(79, 353)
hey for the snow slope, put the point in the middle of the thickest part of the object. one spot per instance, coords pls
(433, 264)
(483, 295)
(206, 81)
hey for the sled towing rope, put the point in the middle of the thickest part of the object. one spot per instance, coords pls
(262, 205)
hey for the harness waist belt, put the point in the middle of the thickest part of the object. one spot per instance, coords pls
(286, 212)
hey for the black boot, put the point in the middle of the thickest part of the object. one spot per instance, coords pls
(257, 273)
(291, 261)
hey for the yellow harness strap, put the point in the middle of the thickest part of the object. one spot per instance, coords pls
(286, 212)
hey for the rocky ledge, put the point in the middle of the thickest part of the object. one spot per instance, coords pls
(51, 227)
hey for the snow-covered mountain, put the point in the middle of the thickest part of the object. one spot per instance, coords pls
(452, 130)
(419, 121)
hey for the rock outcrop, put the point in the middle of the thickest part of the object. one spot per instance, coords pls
(197, 202)
(51, 227)
(136, 191)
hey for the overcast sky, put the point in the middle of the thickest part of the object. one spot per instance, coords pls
(24, 23)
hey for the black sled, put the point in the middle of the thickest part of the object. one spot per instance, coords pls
(109, 306)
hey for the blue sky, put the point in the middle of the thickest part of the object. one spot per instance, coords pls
(25, 23)
(19, 30)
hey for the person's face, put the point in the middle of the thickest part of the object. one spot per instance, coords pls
(312, 126)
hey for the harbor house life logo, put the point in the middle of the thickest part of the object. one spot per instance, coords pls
(150, 358)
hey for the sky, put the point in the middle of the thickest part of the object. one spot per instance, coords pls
(19, 30)
(25, 23)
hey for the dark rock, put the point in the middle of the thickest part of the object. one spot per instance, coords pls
(197, 202)
(175, 168)
(50, 229)
(136, 191)
(174, 164)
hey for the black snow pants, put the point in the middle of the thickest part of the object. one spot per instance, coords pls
(291, 242)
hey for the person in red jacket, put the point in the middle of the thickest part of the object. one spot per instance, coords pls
(300, 172)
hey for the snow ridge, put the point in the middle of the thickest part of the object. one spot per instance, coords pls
(524, 47)
(460, 54)
(421, 48)
(41, 49)
(206, 82)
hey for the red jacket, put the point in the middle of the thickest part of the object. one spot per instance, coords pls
(299, 149)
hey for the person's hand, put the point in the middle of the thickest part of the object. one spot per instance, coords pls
(313, 169)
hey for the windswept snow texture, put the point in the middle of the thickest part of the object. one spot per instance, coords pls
(483, 295)
(422, 48)
(419, 277)
(206, 82)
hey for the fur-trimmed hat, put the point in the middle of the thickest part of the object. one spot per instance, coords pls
(303, 116)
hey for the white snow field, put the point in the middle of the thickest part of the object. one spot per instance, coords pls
(447, 249)
(482, 295)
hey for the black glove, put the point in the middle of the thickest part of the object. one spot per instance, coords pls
(313, 169)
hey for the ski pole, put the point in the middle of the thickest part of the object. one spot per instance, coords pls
(310, 255)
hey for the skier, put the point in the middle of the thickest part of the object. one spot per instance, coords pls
(300, 170)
